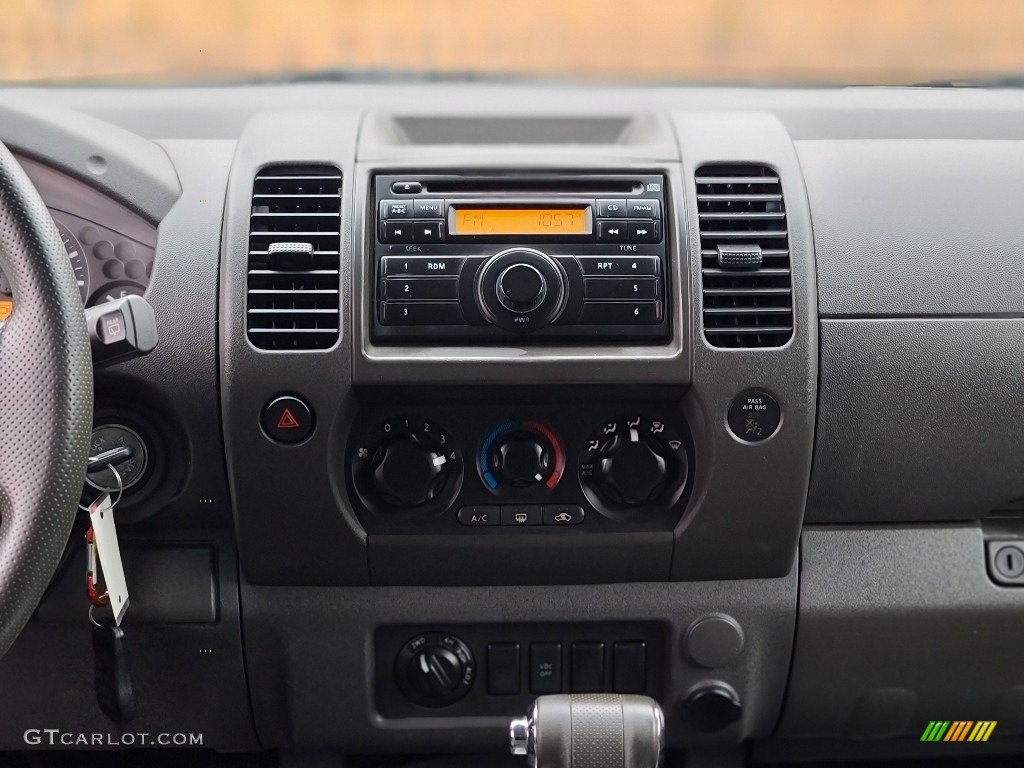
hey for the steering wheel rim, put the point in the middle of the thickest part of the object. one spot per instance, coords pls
(46, 400)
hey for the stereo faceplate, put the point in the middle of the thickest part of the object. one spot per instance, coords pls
(525, 258)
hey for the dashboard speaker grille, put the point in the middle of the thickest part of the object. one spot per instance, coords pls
(745, 264)
(293, 297)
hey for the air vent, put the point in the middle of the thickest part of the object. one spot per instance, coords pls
(745, 265)
(294, 258)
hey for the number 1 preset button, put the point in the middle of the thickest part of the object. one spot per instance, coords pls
(421, 265)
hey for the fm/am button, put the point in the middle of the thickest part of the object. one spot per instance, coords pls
(479, 515)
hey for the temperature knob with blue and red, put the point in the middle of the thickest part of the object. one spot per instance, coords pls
(521, 457)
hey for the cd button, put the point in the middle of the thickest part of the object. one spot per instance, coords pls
(611, 231)
(643, 209)
(395, 209)
(611, 209)
(644, 231)
(426, 231)
(397, 231)
(427, 208)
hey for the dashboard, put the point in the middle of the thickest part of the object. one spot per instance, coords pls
(111, 248)
(707, 394)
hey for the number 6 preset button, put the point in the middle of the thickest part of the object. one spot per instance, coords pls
(621, 312)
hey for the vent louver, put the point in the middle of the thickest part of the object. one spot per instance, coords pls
(745, 264)
(294, 258)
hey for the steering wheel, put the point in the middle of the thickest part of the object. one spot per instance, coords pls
(45, 400)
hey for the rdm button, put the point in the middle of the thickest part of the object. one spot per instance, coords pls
(287, 420)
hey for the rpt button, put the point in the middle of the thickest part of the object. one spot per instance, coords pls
(612, 266)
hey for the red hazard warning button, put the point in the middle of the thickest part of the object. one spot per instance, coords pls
(287, 419)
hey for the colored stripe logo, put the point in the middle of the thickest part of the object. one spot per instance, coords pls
(958, 730)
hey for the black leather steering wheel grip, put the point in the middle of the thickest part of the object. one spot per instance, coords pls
(46, 400)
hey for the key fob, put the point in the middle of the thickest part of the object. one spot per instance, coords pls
(112, 679)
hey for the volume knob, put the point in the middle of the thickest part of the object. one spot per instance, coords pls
(521, 288)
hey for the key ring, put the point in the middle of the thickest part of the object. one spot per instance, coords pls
(120, 490)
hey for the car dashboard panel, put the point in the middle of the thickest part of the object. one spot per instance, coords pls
(710, 396)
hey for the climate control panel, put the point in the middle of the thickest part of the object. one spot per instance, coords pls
(591, 467)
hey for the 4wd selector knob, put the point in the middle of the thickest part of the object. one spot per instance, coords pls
(520, 289)
(435, 669)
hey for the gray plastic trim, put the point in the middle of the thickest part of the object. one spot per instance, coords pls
(748, 498)
(917, 227)
(294, 524)
(124, 165)
(920, 420)
(310, 654)
(899, 626)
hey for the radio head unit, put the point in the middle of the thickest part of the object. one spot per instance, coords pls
(538, 257)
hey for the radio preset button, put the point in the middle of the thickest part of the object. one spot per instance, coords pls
(427, 208)
(397, 231)
(643, 209)
(395, 209)
(621, 288)
(611, 209)
(420, 313)
(421, 288)
(644, 231)
(418, 265)
(427, 231)
(621, 313)
(611, 230)
(619, 265)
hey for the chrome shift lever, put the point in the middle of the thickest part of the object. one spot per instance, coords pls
(590, 731)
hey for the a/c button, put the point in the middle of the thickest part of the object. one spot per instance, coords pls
(479, 515)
